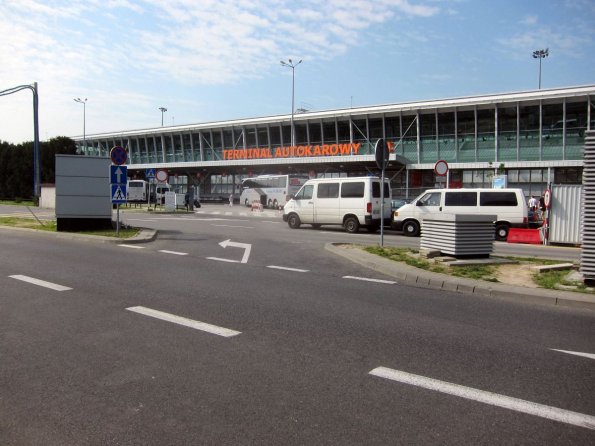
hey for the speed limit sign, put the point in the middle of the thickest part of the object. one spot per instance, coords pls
(547, 198)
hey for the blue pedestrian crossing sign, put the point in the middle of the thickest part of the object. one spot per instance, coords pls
(118, 193)
(150, 174)
(118, 174)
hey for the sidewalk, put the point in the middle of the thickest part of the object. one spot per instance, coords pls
(412, 276)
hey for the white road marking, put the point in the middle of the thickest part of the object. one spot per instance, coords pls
(42, 283)
(131, 246)
(197, 325)
(223, 260)
(494, 399)
(173, 252)
(586, 355)
(288, 269)
(390, 282)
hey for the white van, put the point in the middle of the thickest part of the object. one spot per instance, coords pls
(351, 202)
(507, 204)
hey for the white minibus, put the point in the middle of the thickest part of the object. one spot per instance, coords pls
(351, 202)
(507, 204)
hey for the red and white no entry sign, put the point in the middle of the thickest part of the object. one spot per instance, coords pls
(441, 168)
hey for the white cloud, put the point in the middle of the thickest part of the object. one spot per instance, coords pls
(85, 47)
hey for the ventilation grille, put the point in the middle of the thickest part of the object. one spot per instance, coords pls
(588, 204)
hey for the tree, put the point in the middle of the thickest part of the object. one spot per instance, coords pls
(16, 165)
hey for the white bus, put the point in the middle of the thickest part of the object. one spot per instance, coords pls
(271, 190)
(137, 191)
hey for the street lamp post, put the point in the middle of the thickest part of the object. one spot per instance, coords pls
(292, 65)
(84, 102)
(163, 110)
(36, 145)
(540, 54)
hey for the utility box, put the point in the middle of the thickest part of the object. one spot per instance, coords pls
(83, 200)
(459, 235)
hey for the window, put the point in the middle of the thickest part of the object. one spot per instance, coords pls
(498, 199)
(460, 199)
(328, 190)
(376, 190)
(352, 190)
(431, 199)
(305, 193)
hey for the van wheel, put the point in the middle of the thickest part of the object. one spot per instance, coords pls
(293, 221)
(411, 228)
(351, 225)
(502, 232)
(246, 202)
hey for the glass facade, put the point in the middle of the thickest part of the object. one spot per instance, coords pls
(526, 128)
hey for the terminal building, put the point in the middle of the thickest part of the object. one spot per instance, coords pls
(531, 138)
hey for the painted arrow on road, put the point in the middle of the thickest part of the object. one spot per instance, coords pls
(246, 246)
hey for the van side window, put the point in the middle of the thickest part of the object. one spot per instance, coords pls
(460, 199)
(498, 199)
(328, 190)
(376, 190)
(352, 190)
(305, 193)
(431, 199)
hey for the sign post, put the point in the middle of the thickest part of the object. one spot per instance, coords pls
(150, 176)
(381, 153)
(119, 180)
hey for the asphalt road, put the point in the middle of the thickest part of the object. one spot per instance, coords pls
(281, 343)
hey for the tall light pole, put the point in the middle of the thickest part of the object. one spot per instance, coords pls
(84, 102)
(163, 110)
(290, 64)
(540, 54)
(36, 145)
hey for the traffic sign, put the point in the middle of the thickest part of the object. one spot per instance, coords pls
(118, 193)
(547, 198)
(161, 176)
(118, 155)
(441, 168)
(150, 174)
(118, 174)
(381, 152)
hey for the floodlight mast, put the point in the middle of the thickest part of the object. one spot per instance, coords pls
(540, 54)
(290, 64)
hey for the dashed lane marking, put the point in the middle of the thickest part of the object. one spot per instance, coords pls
(218, 259)
(367, 279)
(197, 325)
(297, 270)
(165, 251)
(493, 399)
(585, 355)
(39, 282)
(131, 246)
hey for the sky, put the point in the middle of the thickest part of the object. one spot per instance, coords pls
(218, 60)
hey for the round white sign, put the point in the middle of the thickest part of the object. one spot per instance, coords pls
(441, 168)
(161, 176)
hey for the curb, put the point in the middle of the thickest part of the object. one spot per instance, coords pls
(412, 276)
(144, 235)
